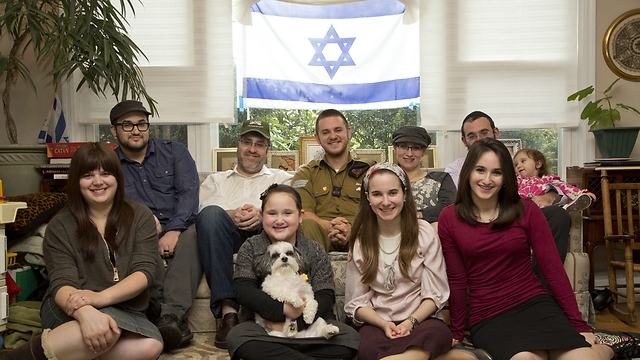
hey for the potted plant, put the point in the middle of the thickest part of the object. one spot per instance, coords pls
(613, 142)
(88, 36)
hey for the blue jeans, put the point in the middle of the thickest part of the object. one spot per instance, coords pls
(218, 240)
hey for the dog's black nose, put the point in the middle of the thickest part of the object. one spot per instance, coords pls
(285, 259)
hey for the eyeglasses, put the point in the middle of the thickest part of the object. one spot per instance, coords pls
(405, 147)
(128, 126)
(481, 135)
(249, 143)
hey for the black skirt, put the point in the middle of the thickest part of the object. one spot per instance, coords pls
(538, 324)
(432, 335)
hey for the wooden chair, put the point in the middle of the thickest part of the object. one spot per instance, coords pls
(621, 222)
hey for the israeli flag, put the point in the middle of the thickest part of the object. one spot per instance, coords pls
(347, 56)
(54, 129)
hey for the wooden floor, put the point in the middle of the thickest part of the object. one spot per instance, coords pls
(605, 320)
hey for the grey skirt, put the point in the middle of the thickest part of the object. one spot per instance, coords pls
(249, 330)
(52, 316)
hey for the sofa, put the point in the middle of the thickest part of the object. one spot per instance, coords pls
(576, 265)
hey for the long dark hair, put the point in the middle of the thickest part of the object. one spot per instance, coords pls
(89, 157)
(365, 227)
(509, 202)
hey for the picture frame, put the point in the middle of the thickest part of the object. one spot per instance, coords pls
(430, 157)
(378, 155)
(284, 160)
(513, 145)
(310, 149)
(224, 159)
(620, 44)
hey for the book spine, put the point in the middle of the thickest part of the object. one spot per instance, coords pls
(60, 176)
(54, 171)
(66, 150)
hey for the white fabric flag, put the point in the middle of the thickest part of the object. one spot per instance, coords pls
(54, 129)
(346, 56)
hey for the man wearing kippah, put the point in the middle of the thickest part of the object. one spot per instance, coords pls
(162, 175)
(230, 214)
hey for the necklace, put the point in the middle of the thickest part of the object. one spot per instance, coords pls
(495, 214)
(392, 251)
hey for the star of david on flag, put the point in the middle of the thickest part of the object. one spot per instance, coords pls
(356, 55)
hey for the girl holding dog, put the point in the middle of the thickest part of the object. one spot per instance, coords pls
(396, 278)
(281, 218)
(488, 236)
(100, 252)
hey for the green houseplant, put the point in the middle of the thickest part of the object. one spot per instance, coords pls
(612, 141)
(88, 36)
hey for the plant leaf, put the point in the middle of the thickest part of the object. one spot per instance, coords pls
(581, 94)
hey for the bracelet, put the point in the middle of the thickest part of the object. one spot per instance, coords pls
(414, 322)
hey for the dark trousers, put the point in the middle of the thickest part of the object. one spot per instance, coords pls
(269, 350)
(560, 222)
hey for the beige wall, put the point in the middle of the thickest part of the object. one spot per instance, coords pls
(28, 108)
(626, 92)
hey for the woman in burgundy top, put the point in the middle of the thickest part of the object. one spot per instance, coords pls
(487, 237)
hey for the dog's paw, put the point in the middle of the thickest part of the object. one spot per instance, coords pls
(329, 331)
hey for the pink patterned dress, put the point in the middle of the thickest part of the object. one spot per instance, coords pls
(530, 186)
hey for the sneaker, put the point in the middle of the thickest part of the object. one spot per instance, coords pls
(175, 333)
(582, 202)
(625, 345)
(228, 322)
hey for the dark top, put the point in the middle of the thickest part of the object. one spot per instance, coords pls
(67, 266)
(166, 182)
(248, 285)
(433, 193)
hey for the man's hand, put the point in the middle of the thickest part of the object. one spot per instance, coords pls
(339, 232)
(546, 199)
(167, 243)
(247, 217)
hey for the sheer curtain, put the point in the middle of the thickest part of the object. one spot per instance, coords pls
(515, 60)
(189, 71)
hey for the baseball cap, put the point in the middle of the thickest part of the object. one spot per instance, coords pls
(258, 126)
(126, 107)
(413, 134)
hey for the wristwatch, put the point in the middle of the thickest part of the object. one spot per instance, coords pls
(414, 322)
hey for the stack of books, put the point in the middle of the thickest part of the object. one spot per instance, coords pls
(60, 155)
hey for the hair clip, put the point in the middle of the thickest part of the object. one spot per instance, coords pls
(266, 192)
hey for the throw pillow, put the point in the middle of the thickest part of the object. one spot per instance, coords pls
(40, 208)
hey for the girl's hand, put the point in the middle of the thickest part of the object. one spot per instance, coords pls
(99, 330)
(393, 331)
(80, 298)
(293, 312)
(454, 342)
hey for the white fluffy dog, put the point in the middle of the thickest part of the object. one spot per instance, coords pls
(283, 283)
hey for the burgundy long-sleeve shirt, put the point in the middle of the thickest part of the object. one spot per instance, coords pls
(495, 267)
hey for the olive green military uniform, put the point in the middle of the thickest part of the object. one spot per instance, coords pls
(329, 194)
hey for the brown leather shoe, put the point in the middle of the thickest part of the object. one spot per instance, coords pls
(228, 322)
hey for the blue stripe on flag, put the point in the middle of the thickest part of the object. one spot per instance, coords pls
(270, 89)
(362, 9)
(61, 127)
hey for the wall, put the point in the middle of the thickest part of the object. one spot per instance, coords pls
(29, 108)
(626, 92)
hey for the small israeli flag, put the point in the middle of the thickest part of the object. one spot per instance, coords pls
(54, 129)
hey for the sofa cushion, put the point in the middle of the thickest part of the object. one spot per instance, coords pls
(40, 208)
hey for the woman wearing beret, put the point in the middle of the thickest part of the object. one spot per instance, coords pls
(432, 191)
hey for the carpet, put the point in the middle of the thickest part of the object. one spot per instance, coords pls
(200, 348)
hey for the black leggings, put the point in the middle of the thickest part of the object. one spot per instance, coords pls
(270, 350)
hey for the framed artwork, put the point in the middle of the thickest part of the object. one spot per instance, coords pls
(620, 46)
(310, 149)
(372, 154)
(429, 159)
(224, 159)
(284, 160)
(514, 145)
